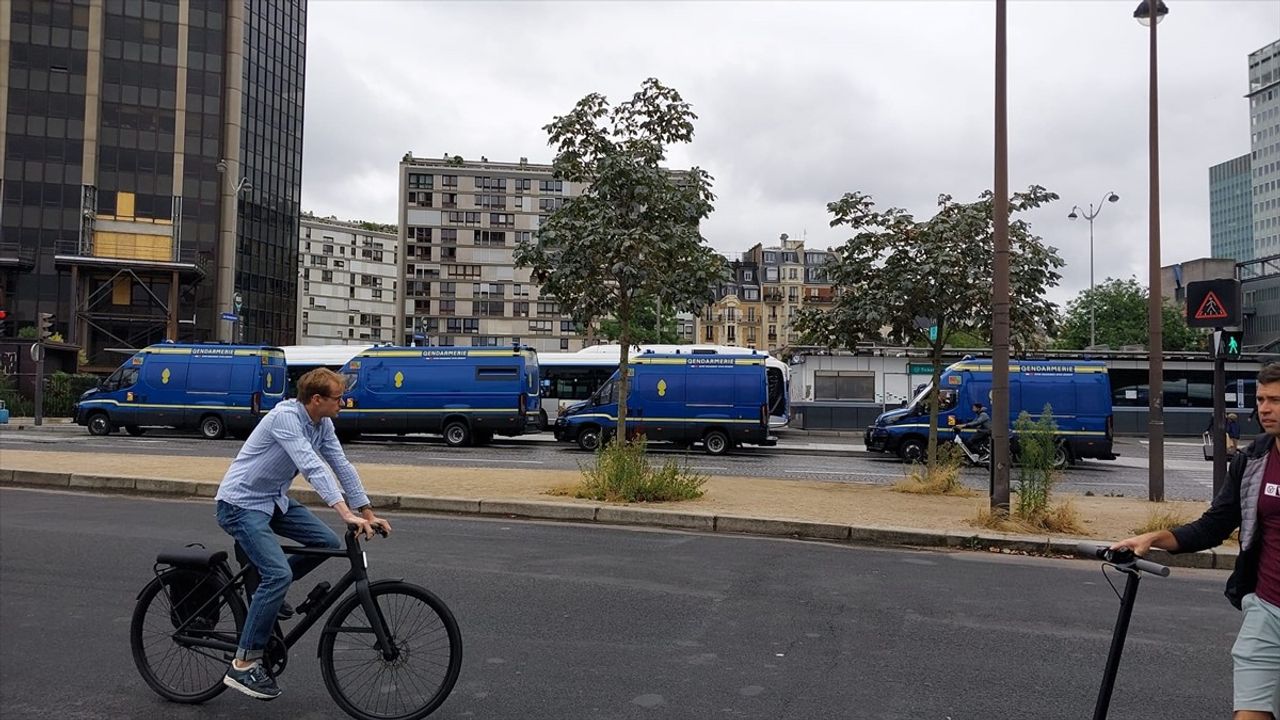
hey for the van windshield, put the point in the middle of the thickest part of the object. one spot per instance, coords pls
(919, 405)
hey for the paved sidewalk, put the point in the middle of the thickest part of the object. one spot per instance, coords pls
(801, 509)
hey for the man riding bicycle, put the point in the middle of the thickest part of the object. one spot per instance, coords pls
(254, 507)
(981, 422)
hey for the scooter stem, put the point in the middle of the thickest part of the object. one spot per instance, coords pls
(1117, 645)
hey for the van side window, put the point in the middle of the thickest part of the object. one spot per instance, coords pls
(497, 373)
(351, 378)
(128, 377)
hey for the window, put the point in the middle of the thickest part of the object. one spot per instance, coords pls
(448, 235)
(771, 257)
(328, 250)
(568, 326)
(449, 200)
(551, 186)
(791, 274)
(420, 181)
(495, 373)
(564, 343)
(550, 205)
(751, 294)
(748, 276)
(447, 307)
(448, 288)
(520, 309)
(498, 219)
(326, 276)
(420, 199)
(540, 326)
(419, 234)
(771, 274)
(520, 290)
(548, 308)
(521, 184)
(489, 308)
(844, 385)
(491, 238)
(492, 202)
(449, 181)
(464, 271)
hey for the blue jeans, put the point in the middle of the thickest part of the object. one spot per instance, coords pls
(256, 531)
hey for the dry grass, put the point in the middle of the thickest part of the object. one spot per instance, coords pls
(1060, 518)
(1161, 518)
(940, 478)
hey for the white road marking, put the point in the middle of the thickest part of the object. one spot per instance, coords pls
(472, 459)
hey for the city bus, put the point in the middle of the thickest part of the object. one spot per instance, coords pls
(570, 377)
(299, 359)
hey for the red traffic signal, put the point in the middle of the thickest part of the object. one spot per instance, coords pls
(3, 314)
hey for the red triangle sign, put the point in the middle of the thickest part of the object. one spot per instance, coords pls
(1211, 308)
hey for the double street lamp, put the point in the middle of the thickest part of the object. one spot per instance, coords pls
(1076, 212)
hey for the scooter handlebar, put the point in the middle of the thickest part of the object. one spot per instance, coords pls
(1122, 558)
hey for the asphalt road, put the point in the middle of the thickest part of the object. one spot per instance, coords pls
(569, 622)
(1187, 476)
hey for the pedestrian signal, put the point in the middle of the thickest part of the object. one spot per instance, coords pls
(1232, 343)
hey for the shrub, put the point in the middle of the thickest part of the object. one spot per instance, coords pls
(60, 395)
(622, 472)
(1035, 463)
(941, 477)
(1161, 518)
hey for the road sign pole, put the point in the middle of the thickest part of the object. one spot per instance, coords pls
(1219, 410)
(39, 393)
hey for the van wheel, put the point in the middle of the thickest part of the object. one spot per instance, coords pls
(100, 424)
(911, 450)
(589, 438)
(212, 428)
(716, 442)
(1061, 456)
(542, 420)
(134, 430)
(457, 434)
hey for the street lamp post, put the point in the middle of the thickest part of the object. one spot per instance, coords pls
(1109, 197)
(1150, 13)
(227, 251)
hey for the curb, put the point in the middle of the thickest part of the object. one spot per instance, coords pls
(1218, 559)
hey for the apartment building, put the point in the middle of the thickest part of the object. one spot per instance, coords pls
(460, 221)
(152, 155)
(767, 288)
(1264, 133)
(349, 280)
(1231, 210)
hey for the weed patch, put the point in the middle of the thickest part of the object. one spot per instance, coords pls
(621, 472)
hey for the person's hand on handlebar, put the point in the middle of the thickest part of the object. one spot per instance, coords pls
(1142, 544)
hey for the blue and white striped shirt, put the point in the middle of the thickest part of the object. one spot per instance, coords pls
(285, 443)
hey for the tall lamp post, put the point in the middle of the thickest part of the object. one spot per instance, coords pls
(227, 251)
(1110, 197)
(1150, 13)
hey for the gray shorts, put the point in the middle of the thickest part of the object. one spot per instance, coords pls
(1257, 657)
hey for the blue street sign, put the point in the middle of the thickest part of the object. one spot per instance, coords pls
(230, 316)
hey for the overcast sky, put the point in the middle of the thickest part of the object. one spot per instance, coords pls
(800, 102)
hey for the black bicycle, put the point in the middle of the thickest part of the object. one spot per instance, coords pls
(390, 650)
(1132, 566)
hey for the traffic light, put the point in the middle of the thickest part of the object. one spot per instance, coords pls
(45, 325)
(1232, 344)
(5, 330)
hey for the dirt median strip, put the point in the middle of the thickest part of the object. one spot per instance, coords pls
(839, 512)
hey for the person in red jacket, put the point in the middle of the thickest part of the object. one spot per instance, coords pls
(1249, 500)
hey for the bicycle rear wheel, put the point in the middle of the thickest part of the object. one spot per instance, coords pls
(178, 670)
(414, 684)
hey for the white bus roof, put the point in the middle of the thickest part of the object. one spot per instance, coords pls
(320, 355)
(604, 355)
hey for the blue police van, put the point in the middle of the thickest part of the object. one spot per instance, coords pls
(215, 388)
(718, 400)
(1077, 391)
(466, 394)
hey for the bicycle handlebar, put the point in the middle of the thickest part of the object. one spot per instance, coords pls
(1123, 559)
(377, 529)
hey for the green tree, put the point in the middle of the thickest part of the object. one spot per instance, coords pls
(632, 234)
(898, 276)
(1120, 318)
(644, 326)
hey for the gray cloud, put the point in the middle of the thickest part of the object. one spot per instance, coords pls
(800, 102)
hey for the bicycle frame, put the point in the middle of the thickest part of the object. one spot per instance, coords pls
(358, 576)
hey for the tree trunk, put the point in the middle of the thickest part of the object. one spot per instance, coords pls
(936, 395)
(624, 365)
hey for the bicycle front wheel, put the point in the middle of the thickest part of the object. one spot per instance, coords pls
(429, 657)
(176, 613)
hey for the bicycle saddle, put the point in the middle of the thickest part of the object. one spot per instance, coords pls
(192, 558)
